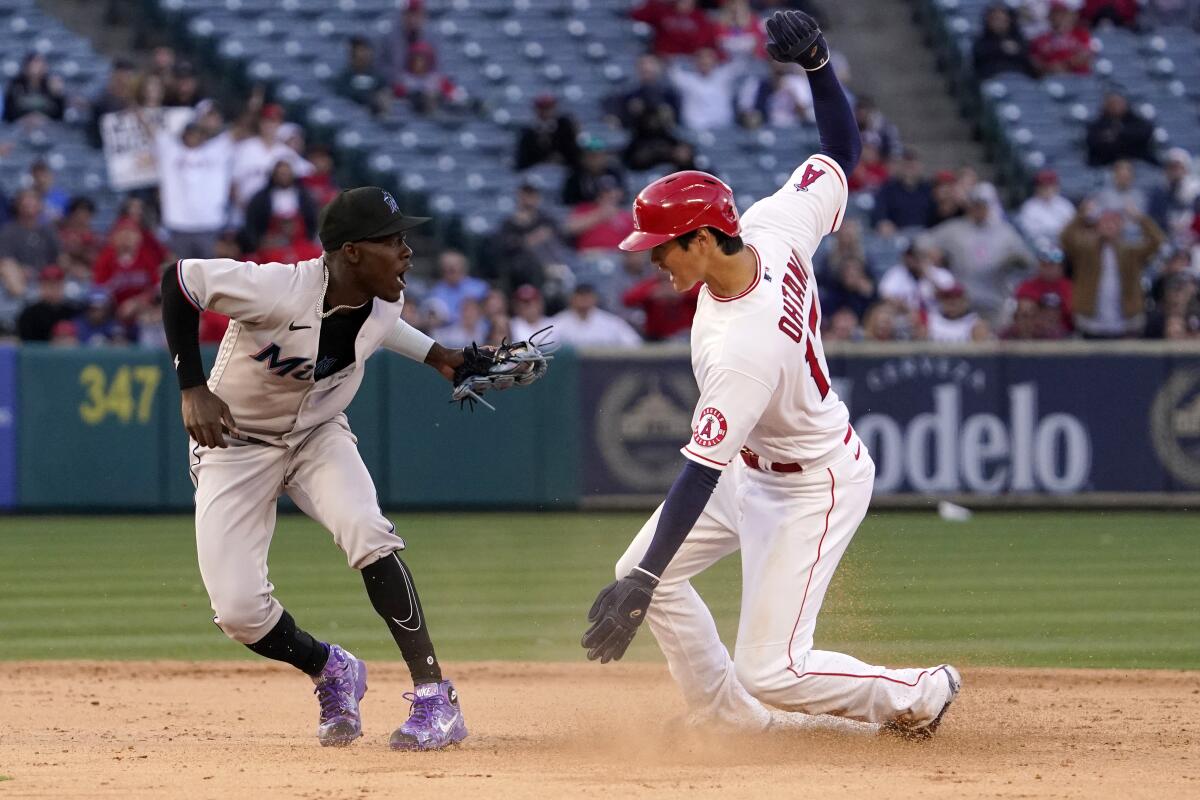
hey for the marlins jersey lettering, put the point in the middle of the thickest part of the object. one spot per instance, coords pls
(758, 359)
(266, 367)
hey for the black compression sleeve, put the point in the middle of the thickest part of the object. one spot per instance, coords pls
(181, 322)
(840, 139)
(684, 505)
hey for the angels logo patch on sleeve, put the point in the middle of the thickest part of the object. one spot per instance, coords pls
(711, 428)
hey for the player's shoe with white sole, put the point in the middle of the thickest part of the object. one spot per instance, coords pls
(340, 687)
(435, 719)
(919, 733)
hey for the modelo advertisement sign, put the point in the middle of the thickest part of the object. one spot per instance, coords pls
(1032, 422)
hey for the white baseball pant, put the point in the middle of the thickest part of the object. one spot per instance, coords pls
(236, 493)
(792, 530)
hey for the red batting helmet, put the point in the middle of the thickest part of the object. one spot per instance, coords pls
(678, 203)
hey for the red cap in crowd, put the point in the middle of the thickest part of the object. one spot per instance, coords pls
(272, 111)
(52, 273)
(527, 292)
(1046, 177)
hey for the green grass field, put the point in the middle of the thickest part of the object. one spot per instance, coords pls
(1010, 589)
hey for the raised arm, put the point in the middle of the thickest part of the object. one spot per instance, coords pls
(795, 37)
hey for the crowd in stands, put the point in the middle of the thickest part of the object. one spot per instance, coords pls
(246, 185)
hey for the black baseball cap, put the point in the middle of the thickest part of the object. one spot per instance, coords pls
(355, 215)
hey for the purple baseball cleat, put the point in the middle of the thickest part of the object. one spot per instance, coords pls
(341, 684)
(435, 720)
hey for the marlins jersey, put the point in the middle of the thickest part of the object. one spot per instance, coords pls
(759, 364)
(266, 367)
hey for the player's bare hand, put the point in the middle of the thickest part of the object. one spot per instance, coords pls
(206, 416)
(616, 615)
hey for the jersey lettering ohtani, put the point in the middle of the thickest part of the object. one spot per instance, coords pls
(758, 359)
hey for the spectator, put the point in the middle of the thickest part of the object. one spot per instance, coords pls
(34, 92)
(25, 239)
(680, 29)
(1046, 212)
(707, 92)
(151, 92)
(423, 86)
(128, 270)
(983, 250)
(1000, 47)
(1176, 310)
(1123, 13)
(913, 284)
(64, 334)
(408, 28)
(1065, 48)
(285, 242)
(870, 173)
(1177, 262)
(117, 95)
(529, 244)
(668, 314)
(782, 98)
(740, 34)
(949, 199)
(133, 209)
(1118, 132)
(879, 324)
(851, 288)
(37, 321)
(1121, 194)
(874, 127)
(953, 319)
(652, 98)
(846, 243)
(96, 326)
(1050, 282)
(183, 87)
(582, 324)
(553, 136)
(529, 313)
(469, 327)
(14, 288)
(255, 157)
(1172, 204)
(361, 79)
(1108, 271)
(77, 240)
(455, 286)
(602, 224)
(583, 183)
(843, 326)
(193, 189)
(54, 199)
(283, 198)
(905, 200)
(320, 183)
(1024, 325)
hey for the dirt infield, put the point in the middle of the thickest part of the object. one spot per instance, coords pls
(184, 730)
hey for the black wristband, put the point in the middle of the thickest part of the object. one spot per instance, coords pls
(181, 323)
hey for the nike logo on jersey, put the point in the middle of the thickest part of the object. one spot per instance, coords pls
(294, 327)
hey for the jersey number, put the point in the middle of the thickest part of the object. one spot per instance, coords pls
(809, 176)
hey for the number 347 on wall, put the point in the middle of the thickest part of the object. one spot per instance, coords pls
(118, 397)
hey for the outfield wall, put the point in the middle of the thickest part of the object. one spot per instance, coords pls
(1012, 424)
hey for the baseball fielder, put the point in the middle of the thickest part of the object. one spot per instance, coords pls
(270, 419)
(792, 480)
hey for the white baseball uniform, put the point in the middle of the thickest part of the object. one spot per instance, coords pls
(796, 484)
(296, 436)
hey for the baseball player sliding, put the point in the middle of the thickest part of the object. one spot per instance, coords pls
(792, 481)
(270, 419)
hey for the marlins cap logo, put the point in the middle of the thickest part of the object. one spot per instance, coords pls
(391, 203)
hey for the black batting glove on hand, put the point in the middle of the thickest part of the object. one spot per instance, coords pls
(794, 37)
(615, 616)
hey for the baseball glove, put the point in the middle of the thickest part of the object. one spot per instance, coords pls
(793, 36)
(494, 369)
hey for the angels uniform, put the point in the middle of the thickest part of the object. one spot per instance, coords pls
(796, 484)
(288, 398)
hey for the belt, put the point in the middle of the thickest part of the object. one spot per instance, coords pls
(754, 461)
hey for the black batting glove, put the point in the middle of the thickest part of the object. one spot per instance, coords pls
(615, 616)
(794, 37)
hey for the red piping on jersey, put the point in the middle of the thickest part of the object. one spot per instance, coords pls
(804, 599)
(849, 430)
(838, 173)
(182, 287)
(704, 458)
(748, 289)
